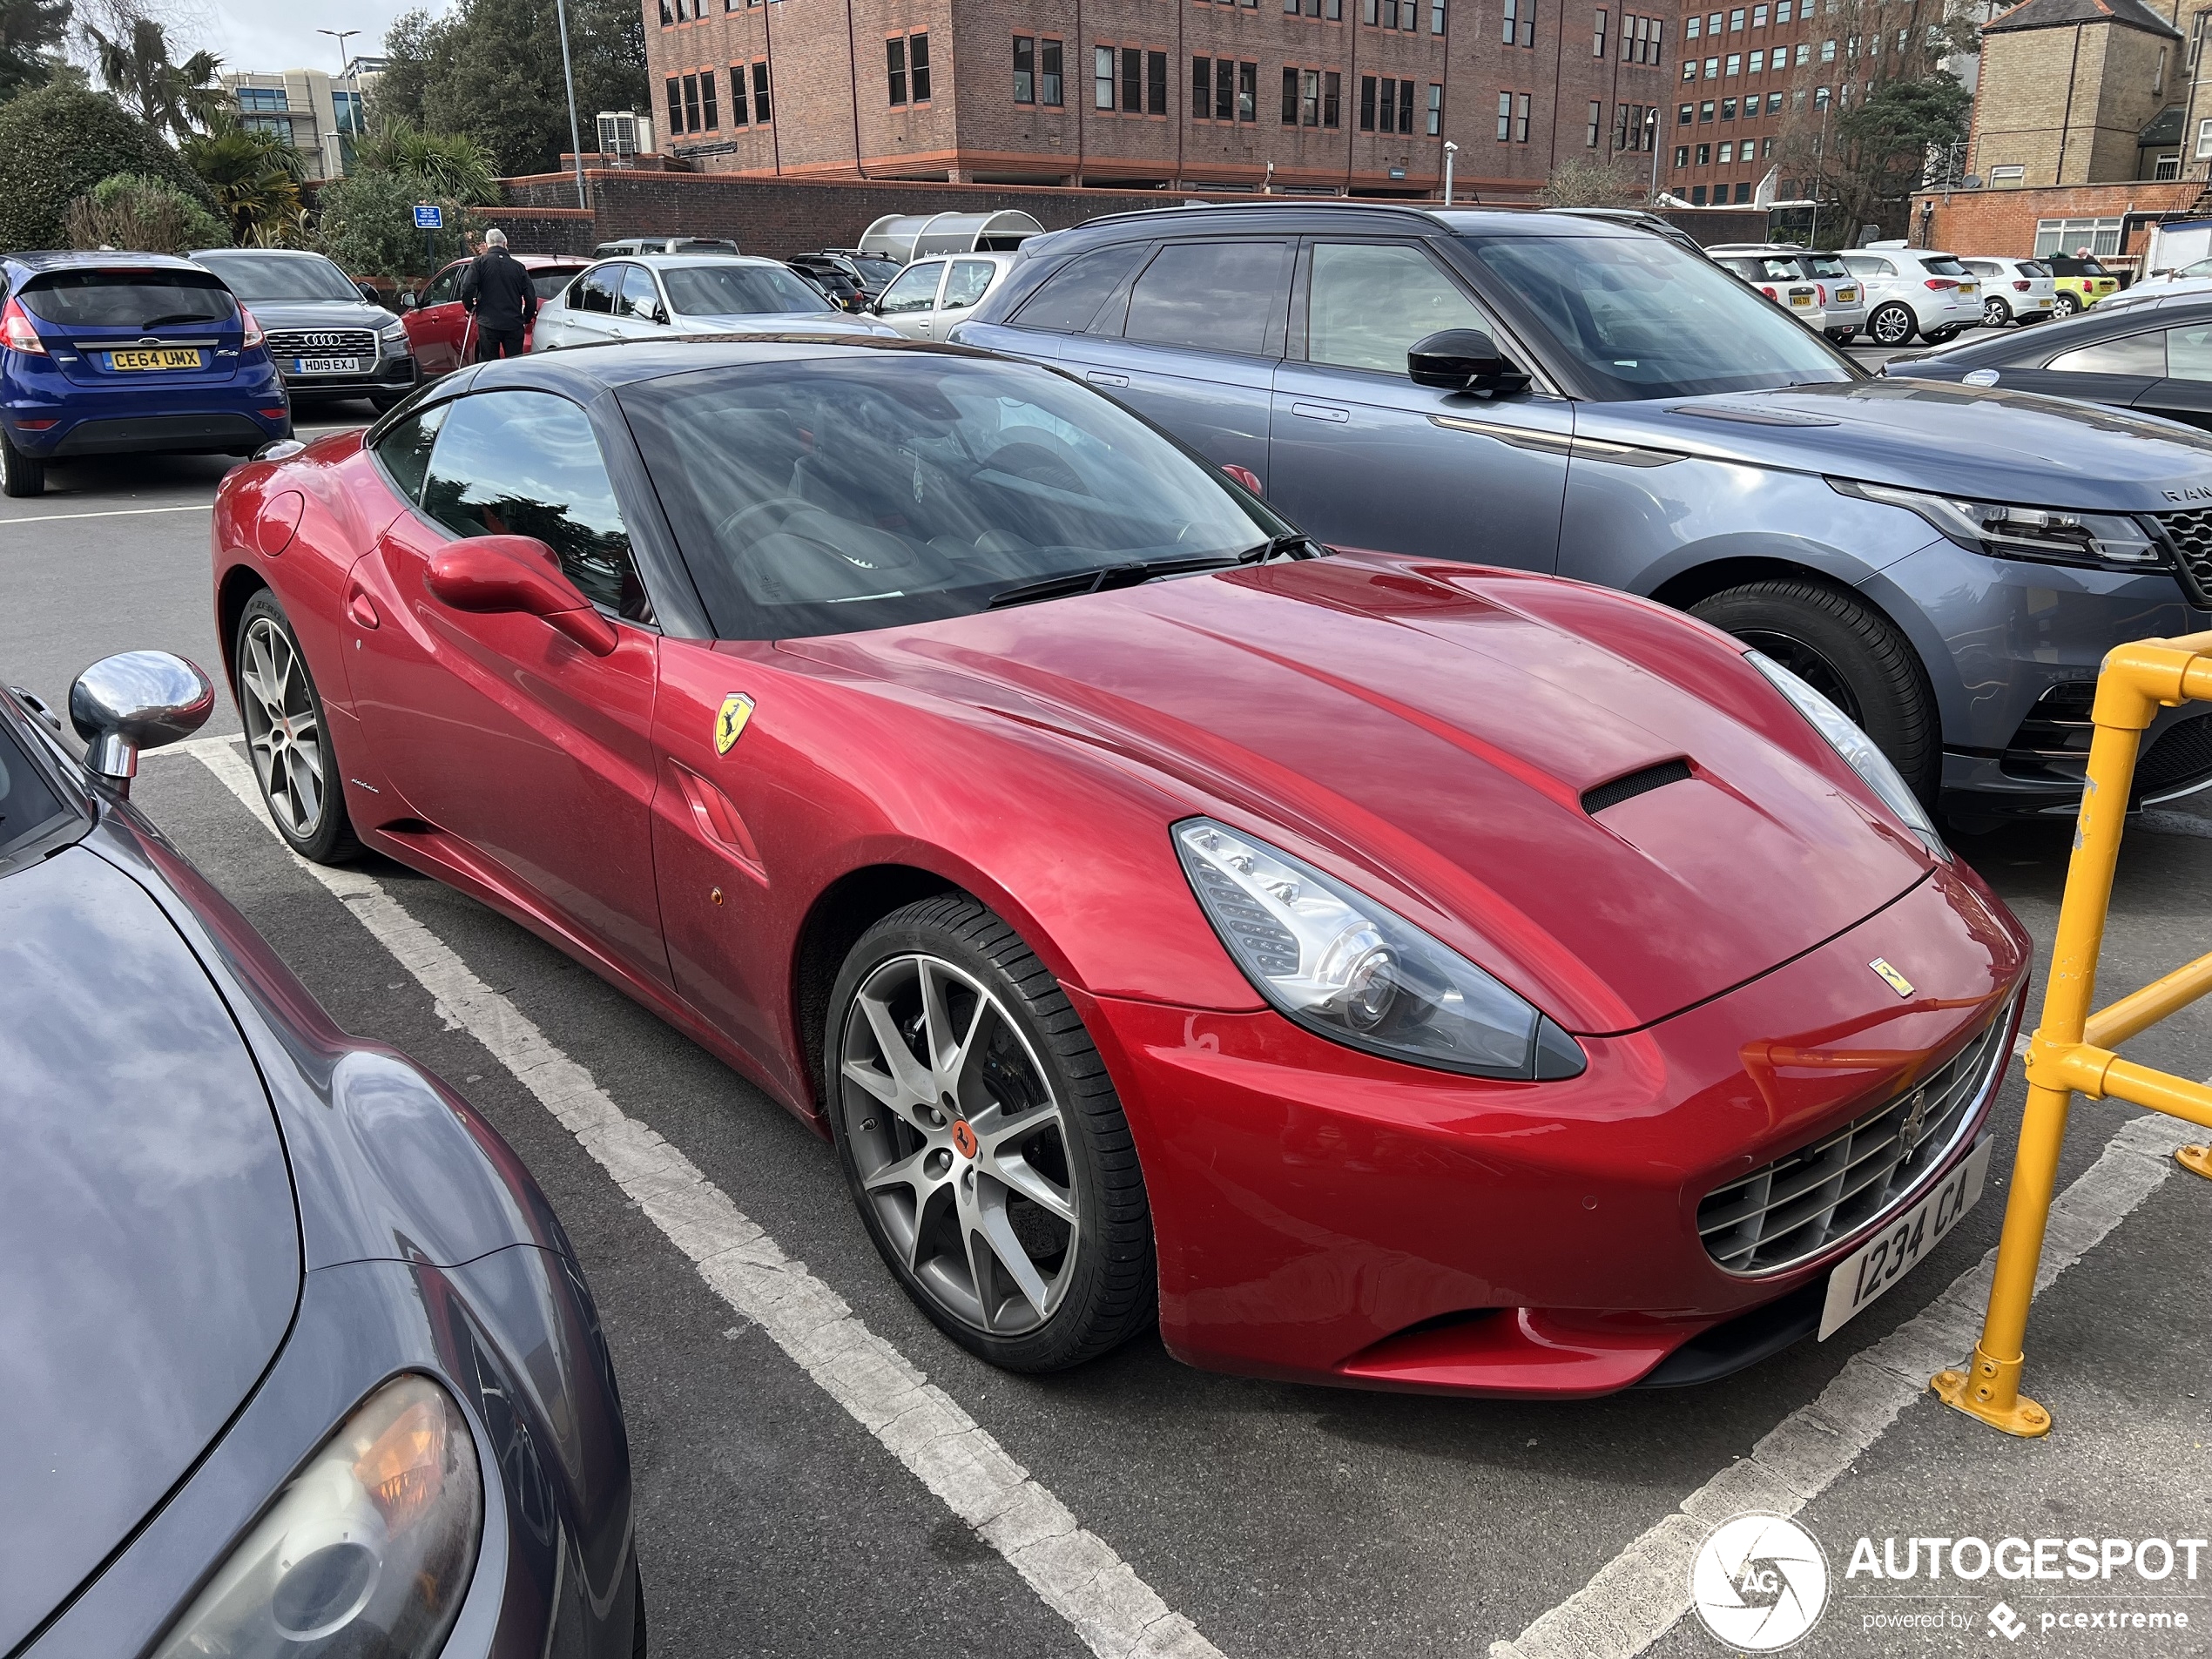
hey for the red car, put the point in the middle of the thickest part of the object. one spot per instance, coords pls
(1377, 971)
(438, 326)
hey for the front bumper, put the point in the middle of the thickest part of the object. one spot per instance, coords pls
(514, 1337)
(384, 376)
(1327, 1217)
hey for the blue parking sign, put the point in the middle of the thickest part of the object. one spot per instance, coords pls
(428, 217)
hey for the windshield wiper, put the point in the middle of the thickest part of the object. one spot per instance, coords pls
(1110, 576)
(1287, 546)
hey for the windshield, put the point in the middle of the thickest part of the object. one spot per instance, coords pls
(836, 495)
(1828, 266)
(257, 277)
(1943, 265)
(1642, 319)
(127, 298)
(731, 290)
(549, 280)
(877, 273)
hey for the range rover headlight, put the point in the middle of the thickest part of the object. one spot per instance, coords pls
(1857, 748)
(2052, 536)
(367, 1554)
(1346, 969)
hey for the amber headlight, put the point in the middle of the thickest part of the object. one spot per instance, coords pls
(367, 1554)
(1344, 967)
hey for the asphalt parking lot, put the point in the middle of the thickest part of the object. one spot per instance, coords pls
(1252, 1520)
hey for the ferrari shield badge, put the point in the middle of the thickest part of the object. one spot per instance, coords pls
(729, 724)
(1890, 977)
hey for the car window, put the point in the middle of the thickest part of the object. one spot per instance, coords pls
(127, 298)
(1943, 265)
(1868, 266)
(1212, 296)
(2202, 268)
(639, 300)
(2033, 269)
(728, 289)
(835, 495)
(969, 280)
(1367, 304)
(29, 805)
(2188, 353)
(255, 276)
(2144, 354)
(442, 286)
(525, 463)
(1641, 318)
(1825, 265)
(547, 281)
(915, 290)
(404, 450)
(1984, 268)
(1068, 301)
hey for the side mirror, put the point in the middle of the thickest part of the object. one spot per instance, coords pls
(140, 699)
(659, 315)
(371, 293)
(494, 574)
(410, 299)
(1462, 359)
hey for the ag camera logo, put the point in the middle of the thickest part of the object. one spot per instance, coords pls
(1760, 1582)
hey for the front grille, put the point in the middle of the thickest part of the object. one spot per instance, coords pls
(322, 342)
(1637, 782)
(2052, 744)
(2180, 756)
(1798, 1206)
(2191, 536)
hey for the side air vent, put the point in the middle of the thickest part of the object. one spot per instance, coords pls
(1637, 782)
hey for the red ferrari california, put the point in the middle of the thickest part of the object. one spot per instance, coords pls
(1372, 971)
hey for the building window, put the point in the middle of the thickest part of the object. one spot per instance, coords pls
(1290, 96)
(1735, 21)
(1224, 89)
(1435, 17)
(1202, 89)
(262, 98)
(737, 116)
(1331, 98)
(1690, 27)
(1590, 132)
(1712, 69)
(675, 105)
(1597, 34)
(1758, 63)
(1435, 109)
(1309, 103)
(1705, 112)
(1101, 77)
(1048, 73)
(1804, 53)
(1504, 118)
(710, 117)
(1682, 155)
(1156, 84)
(894, 58)
(1132, 80)
(1758, 17)
(1827, 51)
(667, 15)
(1697, 195)
(1704, 155)
(1025, 69)
(1248, 91)
(760, 92)
(2013, 176)
(1690, 69)
(1728, 153)
(1387, 104)
(1774, 103)
(1682, 115)
(2064, 235)
(1510, 25)
(918, 56)
(1521, 119)
(1728, 109)
(1819, 99)
(1735, 65)
(1782, 11)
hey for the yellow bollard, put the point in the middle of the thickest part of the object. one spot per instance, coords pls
(2136, 680)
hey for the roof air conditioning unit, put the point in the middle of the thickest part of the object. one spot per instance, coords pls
(624, 134)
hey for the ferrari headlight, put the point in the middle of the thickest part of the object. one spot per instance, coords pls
(1344, 967)
(1857, 748)
(367, 1554)
(2047, 534)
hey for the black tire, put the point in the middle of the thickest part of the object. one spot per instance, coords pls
(1849, 653)
(1105, 1289)
(385, 402)
(2069, 304)
(1995, 313)
(326, 835)
(20, 475)
(1892, 324)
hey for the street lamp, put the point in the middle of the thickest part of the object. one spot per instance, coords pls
(1450, 151)
(568, 77)
(342, 35)
(1651, 137)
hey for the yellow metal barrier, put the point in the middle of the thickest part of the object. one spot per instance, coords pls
(2072, 1049)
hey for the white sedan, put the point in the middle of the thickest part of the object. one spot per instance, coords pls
(651, 296)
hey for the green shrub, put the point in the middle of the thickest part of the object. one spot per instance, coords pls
(131, 210)
(57, 143)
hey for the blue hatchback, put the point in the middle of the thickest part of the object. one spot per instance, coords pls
(112, 354)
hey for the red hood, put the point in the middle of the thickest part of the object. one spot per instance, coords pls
(1431, 745)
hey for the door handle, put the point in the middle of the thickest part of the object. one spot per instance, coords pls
(1106, 377)
(360, 607)
(1321, 411)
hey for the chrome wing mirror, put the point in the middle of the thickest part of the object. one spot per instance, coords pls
(140, 699)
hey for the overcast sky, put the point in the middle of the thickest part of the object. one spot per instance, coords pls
(280, 34)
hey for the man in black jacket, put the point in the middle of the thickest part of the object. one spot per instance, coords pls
(498, 290)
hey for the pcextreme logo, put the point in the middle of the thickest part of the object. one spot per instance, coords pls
(1760, 1582)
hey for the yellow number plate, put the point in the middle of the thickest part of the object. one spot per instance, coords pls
(1800, 299)
(1844, 296)
(170, 358)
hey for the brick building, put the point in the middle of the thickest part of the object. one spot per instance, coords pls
(1322, 96)
(2076, 90)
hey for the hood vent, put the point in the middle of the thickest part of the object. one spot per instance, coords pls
(1637, 782)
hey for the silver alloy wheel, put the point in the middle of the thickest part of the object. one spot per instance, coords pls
(1892, 325)
(282, 731)
(958, 1144)
(1995, 313)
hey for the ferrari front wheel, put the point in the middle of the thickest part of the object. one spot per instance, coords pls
(983, 1141)
(287, 735)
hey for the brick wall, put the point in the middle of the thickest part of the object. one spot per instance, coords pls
(2003, 222)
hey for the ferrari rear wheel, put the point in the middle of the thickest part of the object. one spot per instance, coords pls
(983, 1141)
(288, 737)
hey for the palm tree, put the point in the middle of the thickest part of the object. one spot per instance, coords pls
(30, 29)
(255, 179)
(181, 98)
(438, 164)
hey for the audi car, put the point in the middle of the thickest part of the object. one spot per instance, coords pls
(294, 1358)
(1370, 969)
(328, 339)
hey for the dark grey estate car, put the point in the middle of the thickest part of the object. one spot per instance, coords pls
(324, 337)
(294, 1358)
(1948, 564)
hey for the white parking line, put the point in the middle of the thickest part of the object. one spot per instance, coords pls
(113, 512)
(1637, 1597)
(1117, 1614)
